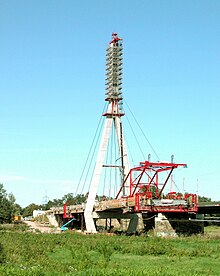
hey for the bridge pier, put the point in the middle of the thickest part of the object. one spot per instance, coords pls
(53, 220)
(136, 224)
(200, 218)
(129, 223)
(90, 223)
(170, 225)
(163, 228)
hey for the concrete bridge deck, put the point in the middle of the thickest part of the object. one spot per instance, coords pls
(107, 213)
(127, 206)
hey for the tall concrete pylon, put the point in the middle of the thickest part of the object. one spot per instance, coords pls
(113, 116)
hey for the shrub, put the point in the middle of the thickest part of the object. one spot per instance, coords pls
(2, 254)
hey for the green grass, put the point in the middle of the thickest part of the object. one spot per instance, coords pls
(23, 253)
(213, 231)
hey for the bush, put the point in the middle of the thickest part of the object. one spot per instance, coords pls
(2, 254)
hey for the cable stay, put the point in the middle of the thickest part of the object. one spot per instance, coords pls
(142, 130)
(137, 141)
(89, 155)
(110, 180)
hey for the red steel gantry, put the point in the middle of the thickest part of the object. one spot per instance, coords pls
(147, 188)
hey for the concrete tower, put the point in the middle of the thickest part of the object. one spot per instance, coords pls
(113, 116)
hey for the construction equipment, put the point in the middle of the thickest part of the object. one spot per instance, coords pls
(63, 227)
(17, 218)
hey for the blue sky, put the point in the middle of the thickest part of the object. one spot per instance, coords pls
(52, 81)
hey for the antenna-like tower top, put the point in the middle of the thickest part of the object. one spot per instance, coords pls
(114, 75)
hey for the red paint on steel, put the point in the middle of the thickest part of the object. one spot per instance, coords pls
(146, 188)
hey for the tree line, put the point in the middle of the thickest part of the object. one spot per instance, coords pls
(9, 208)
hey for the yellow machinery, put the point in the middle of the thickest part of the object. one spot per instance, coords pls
(17, 218)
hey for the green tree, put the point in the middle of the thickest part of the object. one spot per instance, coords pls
(78, 199)
(17, 209)
(49, 205)
(204, 199)
(28, 210)
(69, 199)
(7, 204)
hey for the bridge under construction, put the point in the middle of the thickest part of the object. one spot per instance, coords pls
(140, 203)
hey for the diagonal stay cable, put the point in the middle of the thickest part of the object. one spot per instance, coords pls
(129, 149)
(91, 160)
(135, 137)
(142, 130)
(88, 156)
(97, 140)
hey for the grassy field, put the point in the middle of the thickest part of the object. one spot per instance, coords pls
(24, 253)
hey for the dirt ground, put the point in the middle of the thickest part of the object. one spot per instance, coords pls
(43, 228)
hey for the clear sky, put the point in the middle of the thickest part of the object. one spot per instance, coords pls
(52, 81)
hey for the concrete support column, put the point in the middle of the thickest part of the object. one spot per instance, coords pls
(124, 223)
(136, 224)
(200, 218)
(163, 228)
(52, 220)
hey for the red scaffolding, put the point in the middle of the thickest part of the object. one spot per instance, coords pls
(145, 185)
